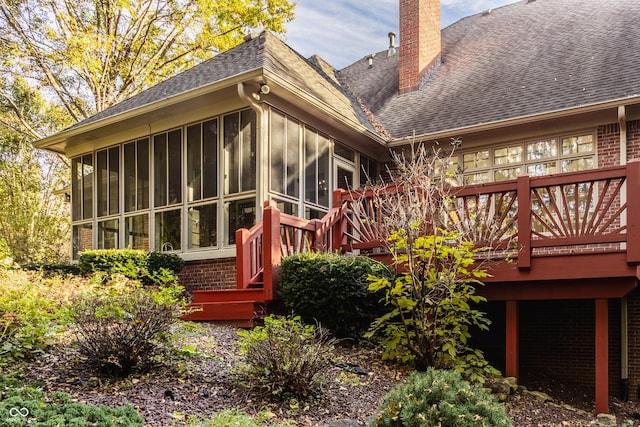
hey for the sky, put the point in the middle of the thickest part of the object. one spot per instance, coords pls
(343, 31)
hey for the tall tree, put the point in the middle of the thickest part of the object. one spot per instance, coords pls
(87, 55)
(62, 61)
(34, 221)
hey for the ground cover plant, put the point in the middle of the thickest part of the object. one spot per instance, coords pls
(23, 404)
(33, 311)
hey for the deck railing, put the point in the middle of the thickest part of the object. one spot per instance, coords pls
(586, 211)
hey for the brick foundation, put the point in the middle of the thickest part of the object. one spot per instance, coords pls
(209, 274)
(557, 340)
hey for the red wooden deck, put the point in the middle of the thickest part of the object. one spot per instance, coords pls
(574, 235)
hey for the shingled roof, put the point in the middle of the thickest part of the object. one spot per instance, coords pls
(520, 60)
(264, 51)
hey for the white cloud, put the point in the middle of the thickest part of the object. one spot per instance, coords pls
(343, 31)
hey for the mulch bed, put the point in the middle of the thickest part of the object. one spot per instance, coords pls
(203, 385)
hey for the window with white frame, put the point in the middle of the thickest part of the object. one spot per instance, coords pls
(202, 185)
(114, 206)
(240, 152)
(538, 157)
(136, 194)
(316, 152)
(285, 155)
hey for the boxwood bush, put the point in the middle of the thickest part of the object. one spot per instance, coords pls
(333, 290)
(134, 264)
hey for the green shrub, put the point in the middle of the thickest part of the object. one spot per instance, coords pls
(332, 289)
(22, 405)
(160, 260)
(33, 309)
(122, 326)
(52, 270)
(134, 264)
(285, 358)
(440, 398)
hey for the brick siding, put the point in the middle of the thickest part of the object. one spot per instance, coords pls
(209, 274)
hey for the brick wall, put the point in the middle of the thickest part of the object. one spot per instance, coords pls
(209, 274)
(608, 145)
(633, 309)
(633, 140)
(557, 341)
(560, 342)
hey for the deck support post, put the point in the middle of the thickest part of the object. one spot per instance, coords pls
(602, 355)
(512, 355)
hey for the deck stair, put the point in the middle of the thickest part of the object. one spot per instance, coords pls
(241, 307)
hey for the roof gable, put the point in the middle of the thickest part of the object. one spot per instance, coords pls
(264, 51)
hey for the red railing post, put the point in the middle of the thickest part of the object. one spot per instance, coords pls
(524, 222)
(243, 259)
(633, 211)
(271, 249)
(340, 227)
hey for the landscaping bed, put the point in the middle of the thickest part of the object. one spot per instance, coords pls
(204, 384)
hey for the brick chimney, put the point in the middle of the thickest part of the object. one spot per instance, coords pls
(420, 43)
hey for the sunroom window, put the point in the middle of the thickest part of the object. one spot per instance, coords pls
(240, 152)
(285, 155)
(167, 168)
(108, 188)
(316, 168)
(82, 187)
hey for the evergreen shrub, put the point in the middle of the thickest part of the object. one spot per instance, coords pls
(25, 405)
(333, 290)
(440, 398)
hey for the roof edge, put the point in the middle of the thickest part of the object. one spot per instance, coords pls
(587, 108)
(59, 137)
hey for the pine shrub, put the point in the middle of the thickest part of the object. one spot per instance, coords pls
(286, 358)
(332, 289)
(22, 405)
(440, 398)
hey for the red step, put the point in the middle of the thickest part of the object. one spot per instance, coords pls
(238, 306)
(228, 295)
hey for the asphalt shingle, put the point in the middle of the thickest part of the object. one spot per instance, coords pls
(524, 59)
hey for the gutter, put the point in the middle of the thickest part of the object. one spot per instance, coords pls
(616, 103)
(60, 137)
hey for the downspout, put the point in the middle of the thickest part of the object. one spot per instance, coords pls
(261, 146)
(624, 316)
